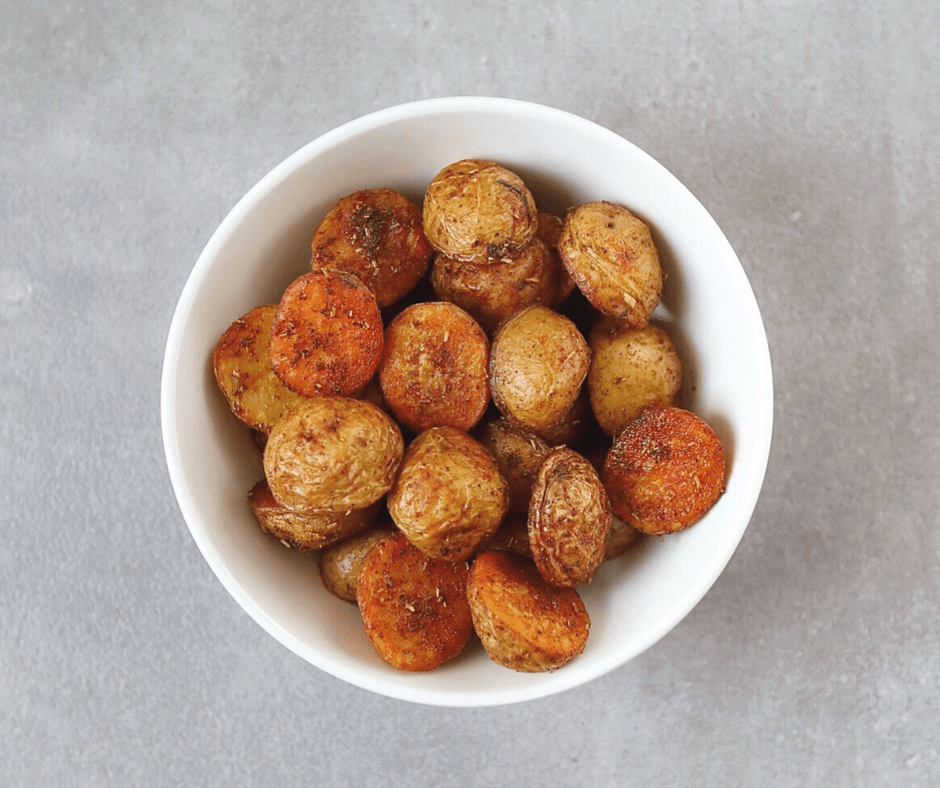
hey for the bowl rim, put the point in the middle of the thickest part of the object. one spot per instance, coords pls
(183, 313)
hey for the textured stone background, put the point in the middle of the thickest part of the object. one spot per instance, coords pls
(127, 132)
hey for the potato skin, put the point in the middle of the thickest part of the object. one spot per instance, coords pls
(339, 563)
(378, 235)
(630, 369)
(620, 538)
(519, 454)
(241, 364)
(449, 496)
(665, 470)
(493, 292)
(559, 284)
(332, 454)
(477, 210)
(569, 519)
(326, 337)
(523, 622)
(414, 608)
(434, 368)
(305, 531)
(538, 362)
(611, 256)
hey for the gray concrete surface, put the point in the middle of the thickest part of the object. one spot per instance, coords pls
(127, 132)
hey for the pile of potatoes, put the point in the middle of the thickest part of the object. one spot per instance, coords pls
(464, 408)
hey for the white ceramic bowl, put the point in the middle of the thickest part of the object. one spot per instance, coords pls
(263, 244)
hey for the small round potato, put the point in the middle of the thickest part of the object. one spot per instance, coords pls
(523, 622)
(569, 519)
(242, 366)
(519, 454)
(378, 235)
(665, 470)
(339, 563)
(537, 364)
(620, 538)
(478, 210)
(630, 369)
(559, 284)
(572, 426)
(305, 530)
(512, 536)
(332, 454)
(434, 367)
(611, 257)
(493, 292)
(449, 495)
(326, 337)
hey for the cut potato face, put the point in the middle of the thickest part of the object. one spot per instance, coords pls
(523, 622)
(630, 369)
(665, 470)
(479, 211)
(378, 235)
(537, 364)
(611, 256)
(449, 496)
(332, 454)
(326, 337)
(434, 369)
(305, 530)
(242, 367)
(414, 608)
(569, 519)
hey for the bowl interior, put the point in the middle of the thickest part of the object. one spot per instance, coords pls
(263, 245)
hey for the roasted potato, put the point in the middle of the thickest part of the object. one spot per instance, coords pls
(620, 538)
(512, 536)
(492, 292)
(378, 235)
(434, 367)
(242, 367)
(339, 563)
(519, 454)
(572, 426)
(665, 470)
(326, 337)
(569, 519)
(611, 256)
(415, 608)
(523, 622)
(449, 496)
(479, 211)
(305, 531)
(332, 454)
(558, 284)
(630, 369)
(537, 364)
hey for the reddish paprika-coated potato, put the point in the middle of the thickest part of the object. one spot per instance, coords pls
(326, 337)
(523, 622)
(378, 235)
(665, 470)
(414, 608)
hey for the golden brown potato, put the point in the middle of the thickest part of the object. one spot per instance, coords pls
(519, 454)
(449, 495)
(665, 470)
(478, 210)
(305, 530)
(572, 426)
(414, 608)
(434, 367)
(378, 235)
(537, 364)
(326, 337)
(332, 454)
(512, 536)
(340, 562)
(558, 284)
(620, 538)
(630, 369)
(242, 368)
(492, 292)
(523, 622)
(569, 519)
(611, 256)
